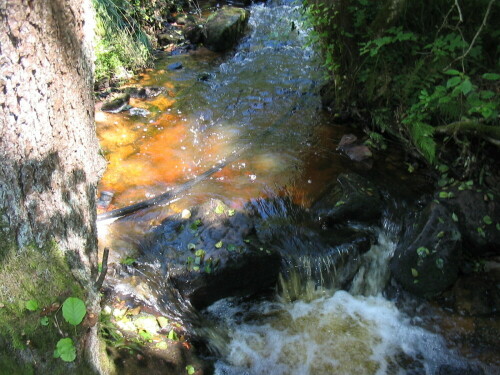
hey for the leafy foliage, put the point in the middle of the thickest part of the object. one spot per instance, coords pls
(414, 67)
(65, 350)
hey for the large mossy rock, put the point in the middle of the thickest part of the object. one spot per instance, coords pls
(478, 215)
(224, 28)
(213, 254)
(427, 260)
(357, 199)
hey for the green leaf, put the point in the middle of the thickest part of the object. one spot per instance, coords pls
(439, 263)
(491, 76)
(440, 234)
(44, 321)
(339, 203)
(231, 247)
(190, 370)
(498, 226)
(219, 209)
(423, 251)
(172, 335)
(146, 336)
(65, 349)
(218, 245)
(191, 246)
(195, 224)
(454, 81)
(414, 272)
(32, 305)
(487, 220)
(74, 310)
(231, 212)
(466, 87)
(128, 261)
(452, 72)
(247, 240)
(454, 217)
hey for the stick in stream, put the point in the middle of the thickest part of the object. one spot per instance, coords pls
(169, 195)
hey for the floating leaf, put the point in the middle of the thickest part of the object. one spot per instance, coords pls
(439, 263)
(65, 349)
(414, 272)
(172, 335)
(44, 321)
(74, 310)
(487, 220)
(190, 370)
(219, 209)
(218, 245)
(423, 251)
(32, 305)
(145, 335)
(162, 345)
(128, 261)
(454, 217)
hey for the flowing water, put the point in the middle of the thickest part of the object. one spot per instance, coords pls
(256, 113)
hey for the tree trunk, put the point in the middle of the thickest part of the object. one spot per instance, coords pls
(49, 160)
(49, 163)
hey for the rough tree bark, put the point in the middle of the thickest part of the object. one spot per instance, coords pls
(49, 160)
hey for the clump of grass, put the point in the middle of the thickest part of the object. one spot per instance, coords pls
(121, 44)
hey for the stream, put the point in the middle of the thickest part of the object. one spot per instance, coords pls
(255, 114)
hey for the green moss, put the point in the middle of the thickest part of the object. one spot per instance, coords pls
(39, 274)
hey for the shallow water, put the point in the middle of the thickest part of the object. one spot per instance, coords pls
(259, 107)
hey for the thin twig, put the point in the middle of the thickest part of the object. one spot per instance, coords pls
(100, 280)
(483, 24)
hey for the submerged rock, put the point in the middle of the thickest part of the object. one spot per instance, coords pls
(175, 66)
(427, 260)
(146, 92)
(117, 104)
(358, 199)
(224, 28)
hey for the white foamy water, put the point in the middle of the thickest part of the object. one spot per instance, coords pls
(341, 334)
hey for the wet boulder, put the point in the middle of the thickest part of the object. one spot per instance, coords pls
(118, 104)
(224, 28)
(478, 217)
(354, 149)
(212, 255)
(353, 198)
(146, 92)
(427, 260)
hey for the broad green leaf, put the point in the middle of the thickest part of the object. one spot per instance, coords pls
(454, 81)
(230, 212)
(466, 87)
(443, 168)
(487, 220)
(44, 321)
(74, 310)
(32, 305)
(440, 234)
(231, 247)
(190, 370)
(414, 272)
(423, 251)
(452, 72)
(218, 245)
(454, 217)
(128, 261)
(145, 335)
(491, 76)
(444, 194)
(219, 209)
(65, 349)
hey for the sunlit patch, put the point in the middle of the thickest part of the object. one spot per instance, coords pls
(162, 102)
(117, 135)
